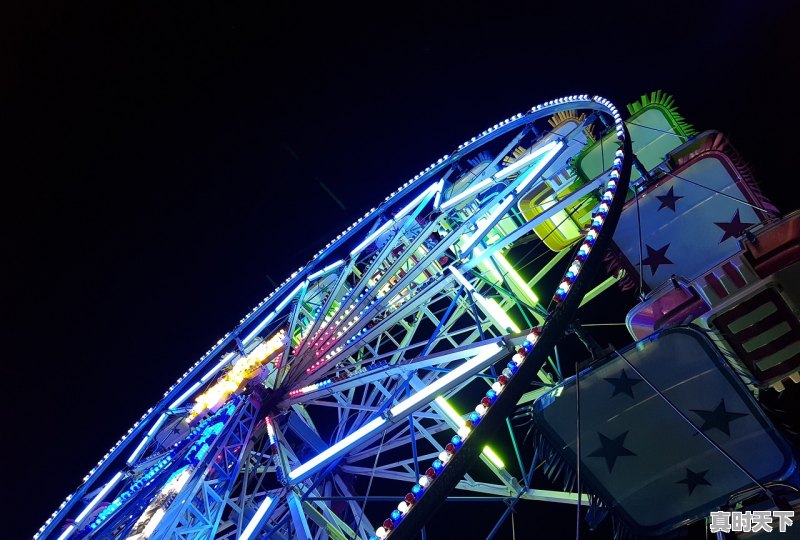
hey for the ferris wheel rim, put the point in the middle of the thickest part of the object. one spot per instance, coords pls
(279, 295)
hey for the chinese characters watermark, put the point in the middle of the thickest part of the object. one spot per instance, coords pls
(755, 521)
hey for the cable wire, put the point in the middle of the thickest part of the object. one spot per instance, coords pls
(369, 486)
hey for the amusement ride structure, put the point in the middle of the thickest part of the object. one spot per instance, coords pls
(414, 362)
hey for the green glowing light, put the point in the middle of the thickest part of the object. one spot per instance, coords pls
(451, 413)
(497, 312)
(494, 458)
(511, 273)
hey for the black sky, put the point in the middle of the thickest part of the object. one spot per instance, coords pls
(162, 164)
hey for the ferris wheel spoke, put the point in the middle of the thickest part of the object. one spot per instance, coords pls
(504, 153)
(543, 495)
(401, 438)
(484, 356)
(446, 422)
(301, 529)
(501, 491)
(513, 192)
(527, 227)
(396, 370)
(292, 326)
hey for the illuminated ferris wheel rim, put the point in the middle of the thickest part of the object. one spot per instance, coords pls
(282, 295)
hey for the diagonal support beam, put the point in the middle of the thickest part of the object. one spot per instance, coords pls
(486, 356)
(302, 532)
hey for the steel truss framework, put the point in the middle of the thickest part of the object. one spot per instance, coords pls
(420, 311)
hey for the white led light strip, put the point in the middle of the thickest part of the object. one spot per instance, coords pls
(526, 160)
(336, 450)
(257, 518)
(97, 498)
(431, 390)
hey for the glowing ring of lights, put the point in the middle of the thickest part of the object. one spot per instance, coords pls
(519, 370)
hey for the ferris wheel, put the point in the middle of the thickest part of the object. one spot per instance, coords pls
(378, 381)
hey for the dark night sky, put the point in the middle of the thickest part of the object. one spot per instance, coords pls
(162, 165)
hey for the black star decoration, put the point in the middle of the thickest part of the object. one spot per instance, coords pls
(656, 257)
(734, 229)
(668, 200)
(694, 479)
(611, 449)
(622, 384)
(719, 418)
